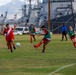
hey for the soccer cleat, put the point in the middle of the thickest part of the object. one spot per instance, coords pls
(14, 47)
(34, 39)
(11, 51)
(35, 46)
(42, 51)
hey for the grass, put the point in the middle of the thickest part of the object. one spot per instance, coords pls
(26, 60)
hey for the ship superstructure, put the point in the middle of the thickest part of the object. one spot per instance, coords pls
(61, 11)
(58, 8)
(37, 14)
(3, 18)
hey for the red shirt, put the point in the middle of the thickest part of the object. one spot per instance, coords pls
(10, 35)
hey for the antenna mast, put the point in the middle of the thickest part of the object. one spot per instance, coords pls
(49, 14)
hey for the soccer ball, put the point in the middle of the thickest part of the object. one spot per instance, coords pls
(17, 44)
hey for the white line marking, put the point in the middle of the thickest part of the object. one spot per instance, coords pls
(61, 69)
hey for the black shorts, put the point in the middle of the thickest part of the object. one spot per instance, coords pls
(64, 33)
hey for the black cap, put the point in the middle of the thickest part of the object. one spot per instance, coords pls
(42, 26)
(7, 24)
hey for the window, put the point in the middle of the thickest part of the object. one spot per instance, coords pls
(26, 29)
(19, 29)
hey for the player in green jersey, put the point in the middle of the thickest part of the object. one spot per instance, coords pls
(72, 36)
(46, 39)
(32, 32)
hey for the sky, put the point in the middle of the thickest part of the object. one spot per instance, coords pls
(2, 2)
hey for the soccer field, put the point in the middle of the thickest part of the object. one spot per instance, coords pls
(58, 59)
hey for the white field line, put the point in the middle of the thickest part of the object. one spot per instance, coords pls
(61, 69)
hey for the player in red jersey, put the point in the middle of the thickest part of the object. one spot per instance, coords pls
(8, 32)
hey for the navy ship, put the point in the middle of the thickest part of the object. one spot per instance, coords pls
(37, 14)
(61, 12)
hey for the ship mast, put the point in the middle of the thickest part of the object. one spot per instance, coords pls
(49, 14)
(29, 11)
(24, 9)
(72, 12)
(5, 17)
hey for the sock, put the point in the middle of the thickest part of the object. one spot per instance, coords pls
(74, 44)
(34, 38)
(30, 38)
(66, 38)
(10, 47)
(43, 48)
(39, 44)
(14, 46)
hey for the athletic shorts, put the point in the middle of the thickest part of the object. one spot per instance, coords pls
(64, 33)
(9, 39)
(72, 37)
(32, 34)
(46, 41)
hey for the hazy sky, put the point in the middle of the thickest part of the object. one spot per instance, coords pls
(2, 2)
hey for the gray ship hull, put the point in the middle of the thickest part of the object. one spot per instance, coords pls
(56, 23)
